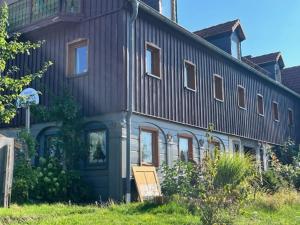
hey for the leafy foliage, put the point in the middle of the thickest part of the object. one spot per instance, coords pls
(56, 184)
(10, 87)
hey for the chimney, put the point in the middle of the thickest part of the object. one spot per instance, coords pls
(168, 8)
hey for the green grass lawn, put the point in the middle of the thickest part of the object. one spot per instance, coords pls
(171, 213)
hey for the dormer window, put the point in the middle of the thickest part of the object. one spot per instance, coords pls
(235, 46)
(277, 73)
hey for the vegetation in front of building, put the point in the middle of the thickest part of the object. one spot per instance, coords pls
(11, 81)
(54, 176)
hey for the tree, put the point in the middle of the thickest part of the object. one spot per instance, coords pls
(10, 84)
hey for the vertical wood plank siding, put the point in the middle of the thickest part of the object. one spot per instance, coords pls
(103, 89)
(167, 98)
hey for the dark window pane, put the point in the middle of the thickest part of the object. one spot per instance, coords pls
(241, 97)
(190, 76)
(290, 117)
(260, 105)
(275, 111)
(218, 88)
(152, 60)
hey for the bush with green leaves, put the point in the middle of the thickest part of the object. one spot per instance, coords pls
(24, 181)
(56, 184)
(218, 186)
(181, 179)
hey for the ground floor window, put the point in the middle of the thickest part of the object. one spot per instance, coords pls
(97, 146)
(236, 147)
(149, 147)
(185, 145)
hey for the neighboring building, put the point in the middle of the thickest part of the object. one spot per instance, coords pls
(116, 58)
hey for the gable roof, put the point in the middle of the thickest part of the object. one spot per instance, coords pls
(291, 78)
(267, 58)
(228, 27)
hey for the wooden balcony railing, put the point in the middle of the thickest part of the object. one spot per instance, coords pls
(26, 12)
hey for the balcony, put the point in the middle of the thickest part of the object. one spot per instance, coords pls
(28, 15)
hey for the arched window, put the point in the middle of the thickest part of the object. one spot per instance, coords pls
(50, 144)
(96, 136)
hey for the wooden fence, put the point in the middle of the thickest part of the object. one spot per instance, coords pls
(6, 169)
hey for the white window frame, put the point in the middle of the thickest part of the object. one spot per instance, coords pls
(214, 88)
(276, 103)
(185, 75)
(263, 105)
(238, 97)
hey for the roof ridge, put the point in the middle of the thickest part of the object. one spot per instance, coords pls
(220, 24)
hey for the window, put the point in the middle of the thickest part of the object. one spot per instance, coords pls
(149, 147)
(218, 88)
(277, 73)
(166, 8)
(275, 111)
(77, 61)
(185, 144)
(241, 97)
(235, 46)
(290, 117)
(189, 75)
(152, 60)
(260, 105)
(236, 147)
(97, 144)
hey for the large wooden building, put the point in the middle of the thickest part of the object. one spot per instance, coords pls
(149, 88)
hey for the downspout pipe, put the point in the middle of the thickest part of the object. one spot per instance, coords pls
(130, 76)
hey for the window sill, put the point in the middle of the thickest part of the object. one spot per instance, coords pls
(219, 100)
(242, 108)
(277, 121)
(190, 89)
(77, 75)
(154, 76)
(262, 115)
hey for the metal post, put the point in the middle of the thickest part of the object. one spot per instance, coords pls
(27, 119)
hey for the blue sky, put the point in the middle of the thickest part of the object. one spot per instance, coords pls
(269, 25)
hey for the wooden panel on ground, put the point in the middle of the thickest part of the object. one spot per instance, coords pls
(6, 169)
(147, 182)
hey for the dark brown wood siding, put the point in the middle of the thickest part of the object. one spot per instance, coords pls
(103, 88)
(168, 99)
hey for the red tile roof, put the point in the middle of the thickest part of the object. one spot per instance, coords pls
(230, 26)
(291, 78)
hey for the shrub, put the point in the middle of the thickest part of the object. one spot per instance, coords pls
(56, 184)
(217, 187)
(24, 181)
(182, 179)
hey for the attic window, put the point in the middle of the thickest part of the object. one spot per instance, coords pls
(277, 73)
(235, 46)
(166, 8)
(260, 104)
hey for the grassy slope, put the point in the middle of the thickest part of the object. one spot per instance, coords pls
(136, 214)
